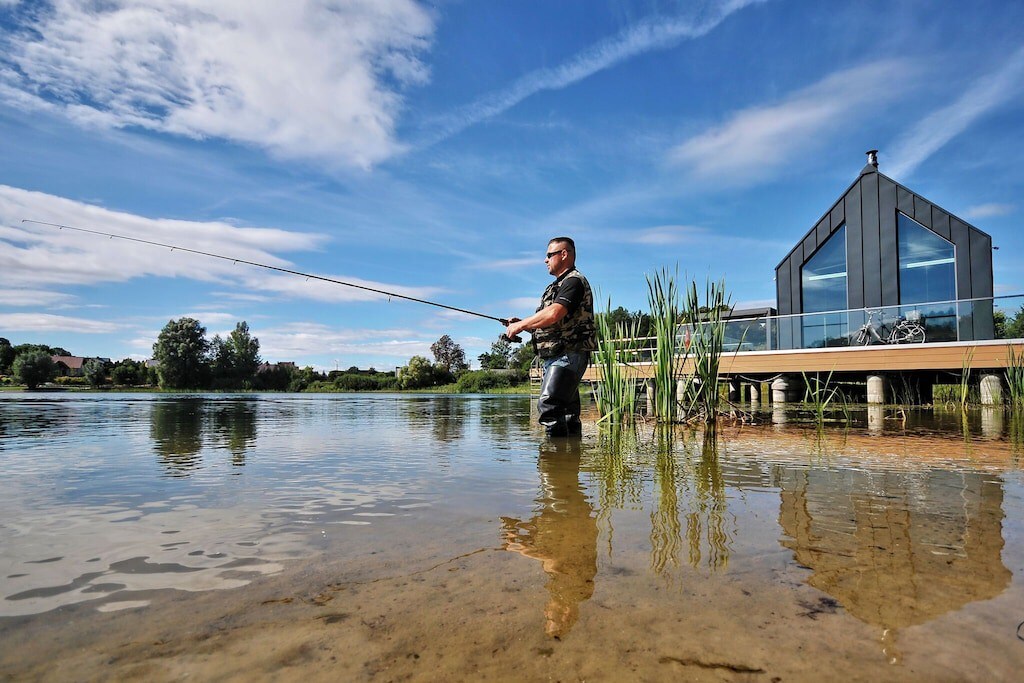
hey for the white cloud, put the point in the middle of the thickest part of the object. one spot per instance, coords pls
(989, 210)
(651, 34)
(305, 78)
(45, 322)
(510, 263)
(33, 255)
(33, 297)
(301, 340)
(941, 126)
(758, 140)
(669, 234)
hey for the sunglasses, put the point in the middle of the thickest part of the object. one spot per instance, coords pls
(552, 253)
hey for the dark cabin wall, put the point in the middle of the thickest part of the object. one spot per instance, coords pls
(869, 208)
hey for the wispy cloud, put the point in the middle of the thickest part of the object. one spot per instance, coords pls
(654, 33)
(941, 126)
(668, 234)
(509, 263)
(33, 297)
(46, 322)
(989, 210)
(304, 78)
(754, 142)
(33, 256)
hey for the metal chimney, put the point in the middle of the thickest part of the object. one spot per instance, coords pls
(873, 157)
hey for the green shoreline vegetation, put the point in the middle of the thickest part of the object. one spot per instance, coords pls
(184, 360)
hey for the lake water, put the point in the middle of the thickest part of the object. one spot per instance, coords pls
(157, 537)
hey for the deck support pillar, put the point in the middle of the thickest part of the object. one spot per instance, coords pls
(991, 390)
(782, 390)
(755, 394)
(876, 389)
(876, 419)
(734, 390)
(649, 396)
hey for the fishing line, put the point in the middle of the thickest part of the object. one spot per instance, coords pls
(308, 276)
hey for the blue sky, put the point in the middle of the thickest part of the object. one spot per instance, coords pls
(433, 148)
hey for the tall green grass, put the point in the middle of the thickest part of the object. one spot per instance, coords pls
(1015, 378)
(664, 299)
(964, 394)
(705, 349)
(823, 398)
(616, 393)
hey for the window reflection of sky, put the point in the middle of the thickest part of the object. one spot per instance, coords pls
(824, 289)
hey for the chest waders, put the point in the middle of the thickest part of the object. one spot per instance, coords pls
(565, 348)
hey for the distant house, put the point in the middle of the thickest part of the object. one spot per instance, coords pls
(69, 366)
(73, 366)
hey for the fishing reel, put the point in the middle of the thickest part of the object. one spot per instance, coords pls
(504, 321)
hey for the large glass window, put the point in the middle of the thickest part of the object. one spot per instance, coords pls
(927, 264)
(823, 282)
(927, 276)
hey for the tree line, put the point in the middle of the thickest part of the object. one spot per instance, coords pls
(187, 360)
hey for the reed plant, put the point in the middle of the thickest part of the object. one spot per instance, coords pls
(964, 393)
(823, 397)
(616, 393)
(664, 299)
(705, 348)
(1015, 378)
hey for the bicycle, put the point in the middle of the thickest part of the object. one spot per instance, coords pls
(907, 330)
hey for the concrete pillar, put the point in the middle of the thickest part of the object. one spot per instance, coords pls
(991, 390)
(780, 390)
(991, 422)
(779, 416)
(876, 419)
(734, 390)
(755, 394)
(876, 389)
(649, 395)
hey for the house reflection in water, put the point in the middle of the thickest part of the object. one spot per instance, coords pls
(930, 545)
(562, 535)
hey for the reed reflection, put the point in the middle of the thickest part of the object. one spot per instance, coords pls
(709, 541)
(930, 545)
(176, 427)
(562, 535)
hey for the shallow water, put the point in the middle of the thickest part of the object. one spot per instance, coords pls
(377, 536)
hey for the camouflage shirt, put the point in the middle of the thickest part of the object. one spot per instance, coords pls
(577, 331)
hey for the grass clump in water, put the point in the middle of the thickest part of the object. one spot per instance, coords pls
(617, 346)
(707, 340)
(1015, 378)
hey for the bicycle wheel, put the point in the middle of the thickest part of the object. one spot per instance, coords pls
(861, 338)
(914, 334)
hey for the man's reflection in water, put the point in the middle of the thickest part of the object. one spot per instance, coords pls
(562, 535)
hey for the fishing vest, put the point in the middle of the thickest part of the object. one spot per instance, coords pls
(576, 332)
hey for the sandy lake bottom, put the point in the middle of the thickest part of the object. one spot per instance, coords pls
(417, 537)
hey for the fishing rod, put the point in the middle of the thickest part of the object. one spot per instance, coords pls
(308, 276)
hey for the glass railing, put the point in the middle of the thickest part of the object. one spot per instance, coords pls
(999, 317)
(921, 323)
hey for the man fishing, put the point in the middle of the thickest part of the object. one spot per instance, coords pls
(564, 333)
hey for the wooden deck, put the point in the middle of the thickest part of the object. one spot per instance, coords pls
(987, 355)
